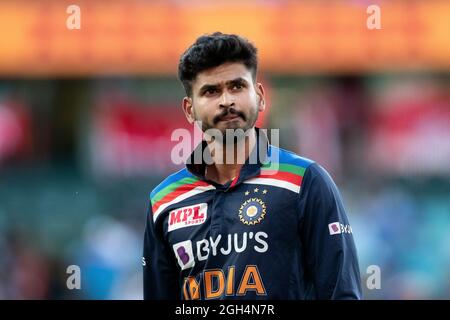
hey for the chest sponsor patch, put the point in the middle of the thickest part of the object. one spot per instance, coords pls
(183, 252)
(187, 216)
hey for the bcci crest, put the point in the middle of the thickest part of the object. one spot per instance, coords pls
(252, 211)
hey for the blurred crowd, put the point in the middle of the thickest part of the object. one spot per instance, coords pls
(78, 159)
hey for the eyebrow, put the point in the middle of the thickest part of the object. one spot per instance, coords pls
(207, 87)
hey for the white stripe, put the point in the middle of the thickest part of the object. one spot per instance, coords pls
(181, 197)
(275, 183)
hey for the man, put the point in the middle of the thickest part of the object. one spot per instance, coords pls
(269, 227)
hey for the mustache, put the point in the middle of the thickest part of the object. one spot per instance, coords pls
(227, 111)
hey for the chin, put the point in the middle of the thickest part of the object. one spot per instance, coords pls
(230, 125)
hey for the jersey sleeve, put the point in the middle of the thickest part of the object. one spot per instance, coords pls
(160, 274)
(330, 253)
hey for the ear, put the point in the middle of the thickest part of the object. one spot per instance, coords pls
(261, 94)
(188, 109)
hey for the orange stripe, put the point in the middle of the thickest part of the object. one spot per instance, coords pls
(279, 175)
(233, 183)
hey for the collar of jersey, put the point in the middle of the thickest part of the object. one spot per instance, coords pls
(248, 170)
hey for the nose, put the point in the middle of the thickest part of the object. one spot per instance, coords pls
(227, 100)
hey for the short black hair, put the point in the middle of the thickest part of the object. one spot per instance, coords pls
(212, 50)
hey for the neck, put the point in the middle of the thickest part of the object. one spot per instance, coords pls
(229, 158)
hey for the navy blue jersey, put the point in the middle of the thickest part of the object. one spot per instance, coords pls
(277, 231)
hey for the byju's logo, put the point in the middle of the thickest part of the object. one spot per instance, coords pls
(337, 228)
(184, 254)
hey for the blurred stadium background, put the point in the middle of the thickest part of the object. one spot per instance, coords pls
(86, 117)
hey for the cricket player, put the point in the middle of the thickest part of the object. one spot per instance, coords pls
(244, 219)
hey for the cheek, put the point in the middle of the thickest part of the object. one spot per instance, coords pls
(203, 111)
(252, 102)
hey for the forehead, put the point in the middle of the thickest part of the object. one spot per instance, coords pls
(223, 73)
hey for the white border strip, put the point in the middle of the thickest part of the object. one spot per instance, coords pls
(275, 183)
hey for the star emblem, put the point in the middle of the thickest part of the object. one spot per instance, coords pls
(264, 191)
(256, 190)
(247, 193)
(252, 211)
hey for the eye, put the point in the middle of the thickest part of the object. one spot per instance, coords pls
(238, 86)
(211, 91)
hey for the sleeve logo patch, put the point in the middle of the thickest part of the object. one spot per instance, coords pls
(338, 228)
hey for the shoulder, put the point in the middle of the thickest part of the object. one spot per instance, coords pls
(176, 188)
(312, 173)
(283, 168)
(319, 185)
(288, 160)
(171, 183)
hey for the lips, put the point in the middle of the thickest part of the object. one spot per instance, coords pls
(230, 117)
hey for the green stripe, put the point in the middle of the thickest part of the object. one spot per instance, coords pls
(285, 168)
(171, 187)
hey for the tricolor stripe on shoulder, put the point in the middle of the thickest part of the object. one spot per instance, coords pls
(284, 170)
(177, 187)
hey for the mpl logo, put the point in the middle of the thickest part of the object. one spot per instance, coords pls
(337, 228)
(187, 216)
(184, 254)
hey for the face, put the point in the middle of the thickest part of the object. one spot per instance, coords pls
(225, 97)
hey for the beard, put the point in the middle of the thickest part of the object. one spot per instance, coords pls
(233, 131)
